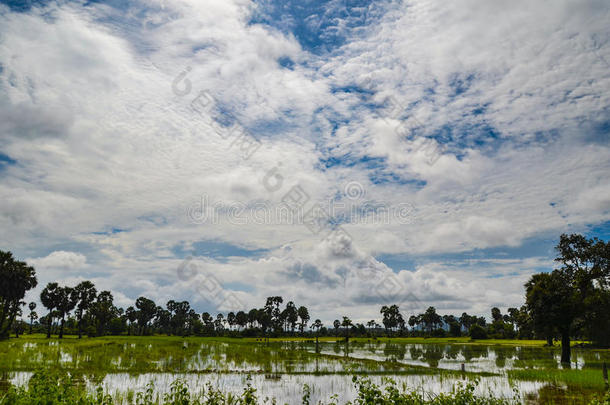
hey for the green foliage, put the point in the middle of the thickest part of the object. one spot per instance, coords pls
(53, 387)
(478, 332)
(389, 393)
(601, 401)
(16, 278)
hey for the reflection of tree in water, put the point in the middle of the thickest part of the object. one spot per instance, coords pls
(416, 352)
(433, 354)
(502, 354)
(474, 352)
(394, 352)
(553, 394)
(536, 358)
(346, 350)
(337, 348)
(500, 358)
(371, 347)
(452, 351)
(5, 384)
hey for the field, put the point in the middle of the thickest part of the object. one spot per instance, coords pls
(280, 368)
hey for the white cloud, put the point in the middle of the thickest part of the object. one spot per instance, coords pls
(60, 260)
(102, 143)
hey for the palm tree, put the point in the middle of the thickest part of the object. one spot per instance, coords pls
(347, 323)
(33, 314)
(65, 304)
(84, 293)
(50, 298)
(371, 324)
(336, 325)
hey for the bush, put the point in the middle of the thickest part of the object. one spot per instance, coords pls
(478, 332)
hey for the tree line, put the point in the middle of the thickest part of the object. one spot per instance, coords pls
(572, 301)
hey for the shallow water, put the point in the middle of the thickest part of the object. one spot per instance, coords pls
(279, 369)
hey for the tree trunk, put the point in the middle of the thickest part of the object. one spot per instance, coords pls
(50, 322)
(80, 328)
(565, 348)
(61, 329)
(549, 340)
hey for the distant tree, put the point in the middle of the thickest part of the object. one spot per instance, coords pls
(208, 322)
(496, 315)
(163, 320)
(33, 315)
(179, 316)
(346, 324)
(102, 311)
(253, 317)
(50, 299)
(304, 317)
(466, 321)
(66, 301)
(219, 323)
(523, 322)
(231, 319)
(392, 318)
(431, 319)
(272, 309)
(336, 325)
(290, 316)
(241, 319)
(132, 316)
(414, 321)
(85, 294)
(146, 312)
(477, 332)
(16, 278)
(317, 325)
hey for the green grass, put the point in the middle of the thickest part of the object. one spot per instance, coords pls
(588, 378)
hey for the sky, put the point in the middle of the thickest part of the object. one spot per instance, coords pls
(343, 154)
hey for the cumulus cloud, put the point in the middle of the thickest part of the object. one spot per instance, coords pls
(60, 260)
(492, 130)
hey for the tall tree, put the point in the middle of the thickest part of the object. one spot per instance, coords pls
(560, 300)
(66, 301)
(179, 314)
(304, 317)
(241, 319)
(16, 278)
(290, 316)
(347, 324)
(317, 325)
(33, 315)
(231, 319)
(431, 319)
(132, 316)
(336, 325)
(85, 294)
(50, 299)
(272, 309)
(103, 311)
(146, 312)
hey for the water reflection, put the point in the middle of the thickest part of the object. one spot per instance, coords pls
(279, 364)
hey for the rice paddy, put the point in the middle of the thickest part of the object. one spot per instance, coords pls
(280, 368)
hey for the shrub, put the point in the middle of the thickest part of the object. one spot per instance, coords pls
(478, 332)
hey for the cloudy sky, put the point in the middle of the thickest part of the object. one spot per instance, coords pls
(343, 154)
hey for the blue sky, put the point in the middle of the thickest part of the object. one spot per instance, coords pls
(449, 145)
